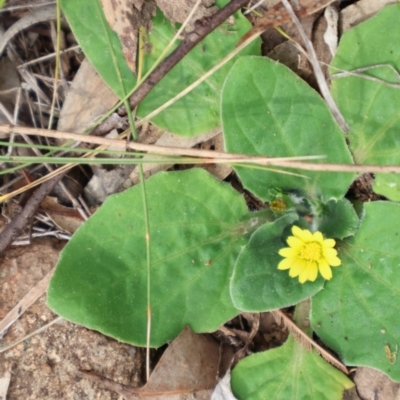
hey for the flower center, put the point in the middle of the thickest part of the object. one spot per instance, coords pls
(277, 205)
(311, 251)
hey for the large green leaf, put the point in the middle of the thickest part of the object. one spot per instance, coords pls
(371, 108)
(289, 372)
(356, 314)
(101, 278)
(257, 284)
(268, 110)
(198, 111)
(100, 43)
(388, 185)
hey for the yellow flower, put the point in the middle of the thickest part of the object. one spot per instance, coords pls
(308, 253)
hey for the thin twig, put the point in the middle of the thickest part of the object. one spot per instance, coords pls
(18, 223)
(33, 294)
(48, 57)
(43, 328)
(26, 6)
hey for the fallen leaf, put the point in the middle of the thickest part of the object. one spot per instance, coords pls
(359, 12)
(125, 17)
(67, 219)
(88, 99)
(191, 364)
(373, 384)
(277, 15)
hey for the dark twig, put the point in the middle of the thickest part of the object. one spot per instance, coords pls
(18, 223)
(203, 27)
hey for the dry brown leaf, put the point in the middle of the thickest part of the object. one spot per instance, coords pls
(359, 12)
(88, 99)
(178, 10)
(373, 384)
(125, 17)
(220, 171)
(190, 364)
(278, 15)
(67, 219)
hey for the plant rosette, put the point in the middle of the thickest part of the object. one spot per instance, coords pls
(210, 258)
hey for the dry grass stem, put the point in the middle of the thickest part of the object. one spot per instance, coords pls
(43, 328)
(24, 304)
(358, 73)
(323, 86)
(213, 156)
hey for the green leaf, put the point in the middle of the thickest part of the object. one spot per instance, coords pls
(371, 108)
(100, 281)
(289, 372)
(257, 284)
(268, 110)
(100, 43)
(357, 315)
(387, 185)
(337, 220)
(198, 111)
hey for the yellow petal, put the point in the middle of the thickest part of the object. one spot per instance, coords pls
(312, 272)
(330, 253)
(325, 270)
(334, 261)
(297, 231)
(297, 268)
(294, 242)
(287, 252)
(318, 237)
(329, 243)
(286, 263)
(304, 275)
(307, 236)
